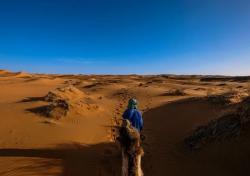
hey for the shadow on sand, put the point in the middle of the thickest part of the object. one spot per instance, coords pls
(73, 159)
(31, 99)
(167, 126)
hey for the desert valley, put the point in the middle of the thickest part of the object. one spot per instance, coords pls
(66, 125)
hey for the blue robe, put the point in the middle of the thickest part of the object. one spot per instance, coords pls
(135, 118)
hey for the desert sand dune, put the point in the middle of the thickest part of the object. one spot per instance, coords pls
(66, 160)
(82, 140)
(3, 72)
(166, 153)
(22, 75)
(15, 74)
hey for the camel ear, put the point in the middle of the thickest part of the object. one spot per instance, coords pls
(142, 137)
(140, 151)
(126, 123)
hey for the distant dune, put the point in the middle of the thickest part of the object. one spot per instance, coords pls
(227, 78)
(7, 73)
(22, 75)
(4, 72)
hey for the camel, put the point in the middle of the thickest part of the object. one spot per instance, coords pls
(132, 151)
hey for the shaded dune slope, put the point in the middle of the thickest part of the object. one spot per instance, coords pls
(70, 159)
(168, 125)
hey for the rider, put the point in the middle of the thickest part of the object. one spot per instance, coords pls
(133, 115)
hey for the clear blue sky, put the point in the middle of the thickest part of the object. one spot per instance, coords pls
(126, 36)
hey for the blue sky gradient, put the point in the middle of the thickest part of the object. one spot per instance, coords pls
(126, 36)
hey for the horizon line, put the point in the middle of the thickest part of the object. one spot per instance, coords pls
(123, 74)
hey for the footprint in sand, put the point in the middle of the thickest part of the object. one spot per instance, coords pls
(75, 121)
(123, 97)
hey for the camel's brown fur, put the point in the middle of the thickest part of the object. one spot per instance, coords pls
(131, 150)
